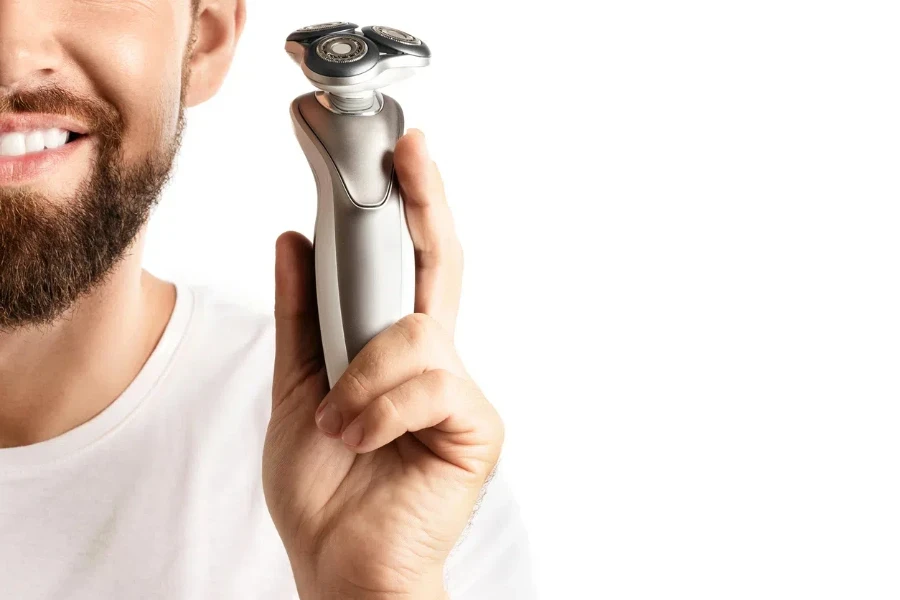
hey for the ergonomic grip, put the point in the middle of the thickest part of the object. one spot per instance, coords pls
(365, 261)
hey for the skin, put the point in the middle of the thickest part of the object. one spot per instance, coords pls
(369, 484)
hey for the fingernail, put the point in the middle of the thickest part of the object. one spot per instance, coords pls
(421, 134)
(354, 434)
(329, 419)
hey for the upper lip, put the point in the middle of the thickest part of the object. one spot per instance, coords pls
(37, 121)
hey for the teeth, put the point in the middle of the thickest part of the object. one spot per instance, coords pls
(12, 144)
(19, 143)
(54, 138)
(34, 141)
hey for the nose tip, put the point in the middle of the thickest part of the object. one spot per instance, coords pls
(17, 64)
(27, 49)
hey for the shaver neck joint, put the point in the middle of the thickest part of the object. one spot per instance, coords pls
(365, 103)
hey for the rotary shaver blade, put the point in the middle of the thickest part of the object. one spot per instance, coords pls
(342, 49)
(310, 33)
(341, 55)
(394, 40)
(340, 59)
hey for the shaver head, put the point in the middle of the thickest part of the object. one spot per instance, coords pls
(339, 59)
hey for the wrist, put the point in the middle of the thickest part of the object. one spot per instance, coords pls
(436, 595)
(348, 593)
(313, 588)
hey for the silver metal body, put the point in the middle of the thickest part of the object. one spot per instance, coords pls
(365, 260)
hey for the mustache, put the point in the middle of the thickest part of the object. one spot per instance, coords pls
(101, 117)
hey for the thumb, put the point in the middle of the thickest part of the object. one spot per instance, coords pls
(298, 346)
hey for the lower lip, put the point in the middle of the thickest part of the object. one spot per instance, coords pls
(16, 170)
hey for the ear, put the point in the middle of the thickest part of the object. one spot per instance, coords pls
(218, 27)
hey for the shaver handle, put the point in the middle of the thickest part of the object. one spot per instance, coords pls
(365, 260)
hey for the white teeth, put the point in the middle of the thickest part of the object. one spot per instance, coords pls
(19, 143)
(12, 144)
(55, 138)
(34, 141)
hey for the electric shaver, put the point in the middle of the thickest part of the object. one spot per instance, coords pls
(364, 256)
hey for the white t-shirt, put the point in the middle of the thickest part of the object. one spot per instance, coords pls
(160, 496)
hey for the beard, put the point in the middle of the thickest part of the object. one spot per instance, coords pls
(52, 252)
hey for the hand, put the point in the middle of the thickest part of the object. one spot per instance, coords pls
(371, 484)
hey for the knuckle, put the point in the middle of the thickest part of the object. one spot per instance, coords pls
(386, 409)
(444, 380)
(416, 328)
(355, 382)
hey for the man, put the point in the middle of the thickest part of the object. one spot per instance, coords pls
(146, 451)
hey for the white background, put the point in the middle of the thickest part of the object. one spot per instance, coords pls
(682, 236)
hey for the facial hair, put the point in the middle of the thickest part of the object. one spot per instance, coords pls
(53, 253)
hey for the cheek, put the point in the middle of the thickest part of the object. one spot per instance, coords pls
(135, 63)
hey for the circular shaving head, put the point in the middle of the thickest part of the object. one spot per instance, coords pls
(395, 41)
(321, 26)
(342, 55)
(397, 35)
(351, 66)
(342, 49)
(307, 34)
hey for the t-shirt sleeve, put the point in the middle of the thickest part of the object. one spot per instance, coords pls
(492, 560)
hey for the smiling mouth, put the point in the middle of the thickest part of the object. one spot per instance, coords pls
(15, 144)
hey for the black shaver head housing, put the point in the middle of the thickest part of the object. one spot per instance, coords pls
(339, 58)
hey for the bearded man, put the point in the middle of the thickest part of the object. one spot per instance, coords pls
(159, 442)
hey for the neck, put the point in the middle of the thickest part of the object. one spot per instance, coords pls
(53, 379)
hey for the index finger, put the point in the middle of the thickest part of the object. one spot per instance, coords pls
(439, 260)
